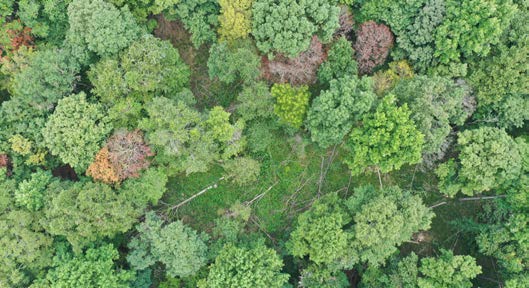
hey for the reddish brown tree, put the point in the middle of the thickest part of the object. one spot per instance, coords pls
(14, 35)
(373, 42)
(296, 71)
(128, 153)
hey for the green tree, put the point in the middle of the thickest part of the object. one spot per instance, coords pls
(178, 247)
(146, 189)
(84, 212)
(26, 249)
(387, 139)
(100, 27)
(340, 62)
(49, 76)
(93, 268)
(488, 159)
(445, 271)
(149, 67)
(291, 103)
(258, 266)
(31, 192)
(367, 227)
(437, 104)
(75, 131)
(287, 26)
(228, 62)
(235, 19)
(47, 19)
(242, 170)
(335, 111)
(255, 101)
(200, 17)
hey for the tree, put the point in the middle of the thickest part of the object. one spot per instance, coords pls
(367, 227)
(84, 212)
(291, 103)
(127, 152)
(149, 67)
(75, 130)
(387, 139)
(101, 28)
(147, 189)
(93, 268)
(373, 42)
(102, 169)
(178, 247)
(242, 170)
(340, 62)
(254, 102)
(31, 192)
(47, 19)
(235, 19)
(287, 27)
(444, 271)
(487, 18)
(200, 17)
(386, 80)
(229, 62)
(26, 249)
(437, 103)
(49, 76)
(335, 111)
(297, 71)
(488, 159)
(257, 266)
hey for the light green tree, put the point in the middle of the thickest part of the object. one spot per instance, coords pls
(31, 192)
(75, 130)
(231, 62)
(290, 103)
(334, 112)
(257, 266)
(387, 139)
(340, 62)
(235, 19)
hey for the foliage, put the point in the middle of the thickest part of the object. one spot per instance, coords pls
(26, 249)
(386, 80)
(93, 268)
(255, 102)
(177, 246)
(141, 9)
(487, 17)
(84, 212)
(149, 67)
(372, 45)
(47, 19)
(148, 188)
(291, 103)
(488, 159)
(228, 63)
(14, 36)
(340, 62)
(315, 276)
(444, 271)
(100, 27)
(387, 139)
(184, 143)
(366, 228)
(75, 130)
(49, 76)
(242, 170)
(199, 17)
(287, 27)
(30, 193)
(437, 104)
(335, 111)
(235, 19)
(102, 169)
(246, 267)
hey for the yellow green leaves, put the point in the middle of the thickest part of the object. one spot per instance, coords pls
(291, 103)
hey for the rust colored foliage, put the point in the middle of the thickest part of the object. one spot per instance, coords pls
(101, 169)
(296, 71)
(373, 42)
(14, 36)
(128, 153)
(5, 162)
(347, 22)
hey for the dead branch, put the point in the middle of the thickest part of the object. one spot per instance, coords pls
(197, 194)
